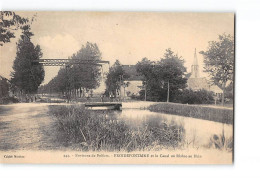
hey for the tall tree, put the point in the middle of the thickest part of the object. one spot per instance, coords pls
(219, 61)
(25, 76)
(86, 75)
(172, 73)
(4, 87)
(151, 79)
(78, 76)
(9, 23)
(164, 77)
(115, 78)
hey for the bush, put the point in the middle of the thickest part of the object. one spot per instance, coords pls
(189, 96)
(186, 96)
(221, 142)
(7, 100)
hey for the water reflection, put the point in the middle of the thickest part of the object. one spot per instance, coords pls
(197, 131)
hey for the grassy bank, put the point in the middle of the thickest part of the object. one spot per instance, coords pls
(95, 130)
(207, 113)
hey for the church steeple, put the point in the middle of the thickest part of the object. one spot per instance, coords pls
(195, 67)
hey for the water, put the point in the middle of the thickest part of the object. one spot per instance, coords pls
(198, 131)
(28, 125)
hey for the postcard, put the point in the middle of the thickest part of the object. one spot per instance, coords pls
(116, 87)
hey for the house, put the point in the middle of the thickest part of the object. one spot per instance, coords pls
(133, 84)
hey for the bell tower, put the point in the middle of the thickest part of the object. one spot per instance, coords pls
(195, 67)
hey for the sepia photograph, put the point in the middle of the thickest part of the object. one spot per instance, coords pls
(82, 87)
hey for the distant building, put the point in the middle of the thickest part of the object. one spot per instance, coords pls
(195, 82)
(132, 85)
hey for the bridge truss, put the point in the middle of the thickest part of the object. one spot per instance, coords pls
(69, 62)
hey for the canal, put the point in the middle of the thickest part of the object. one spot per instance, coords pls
(198, 132)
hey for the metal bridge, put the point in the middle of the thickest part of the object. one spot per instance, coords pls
(68, 62)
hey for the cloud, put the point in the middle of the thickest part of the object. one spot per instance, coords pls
(59, 46)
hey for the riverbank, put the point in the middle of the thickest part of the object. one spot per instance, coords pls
(69, 127)
(206, 112)
(223, 115)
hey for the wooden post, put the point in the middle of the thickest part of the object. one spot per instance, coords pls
(145, 91)
(223, 94)
(168, 93)
(178, 133)
(124, 93)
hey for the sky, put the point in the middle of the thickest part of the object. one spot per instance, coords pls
(126, 36)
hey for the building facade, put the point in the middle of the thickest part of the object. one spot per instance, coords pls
(133, 84)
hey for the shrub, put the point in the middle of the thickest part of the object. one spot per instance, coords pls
(186, 96)
(7, 100)
(189, 96)
(221, 142)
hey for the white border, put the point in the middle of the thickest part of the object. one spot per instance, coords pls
(247, 118)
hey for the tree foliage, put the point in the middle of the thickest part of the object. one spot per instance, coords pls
(9, 23)
(188, 96)
(115, 78)
(170, 69)
(86, 75)
(78, 76)
(219, 61)
(25, 76)
(4, 87)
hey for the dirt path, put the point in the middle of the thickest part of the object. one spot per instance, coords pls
(26, 126)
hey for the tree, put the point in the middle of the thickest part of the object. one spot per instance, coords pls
(74, 77)
(86, 75)
(151, 80)
(158, 76)
(10, 22)
(4, 87)
(172, 73)
(115, 78)
(219, 61)
(229, 93)
(26, 76)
